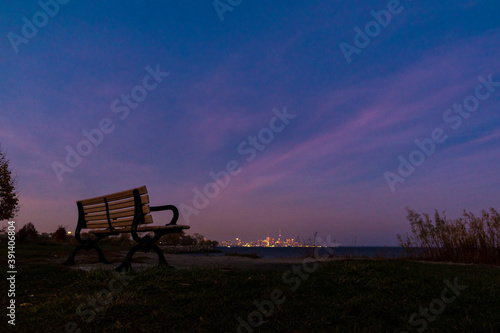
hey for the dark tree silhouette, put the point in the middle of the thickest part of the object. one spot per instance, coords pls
(8, 196)
(182, 239)
(172, 239)
(60, 235)
(27, 233)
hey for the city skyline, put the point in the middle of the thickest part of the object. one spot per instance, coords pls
(270, 241)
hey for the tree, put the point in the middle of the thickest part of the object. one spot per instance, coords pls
(172, 239)
(188, 240)
(200, 239)
(60, 234)
(27, 233)
(8, 195)
(212, 243)
(180, 238)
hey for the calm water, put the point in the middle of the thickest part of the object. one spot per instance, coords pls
(295, 252)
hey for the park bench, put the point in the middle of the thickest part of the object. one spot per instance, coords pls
(118, 213)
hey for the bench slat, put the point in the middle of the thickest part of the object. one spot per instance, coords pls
(115, 214)
(101, 208)
(123, 222)
(114, 196)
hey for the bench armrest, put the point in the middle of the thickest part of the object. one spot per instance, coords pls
(167, 207)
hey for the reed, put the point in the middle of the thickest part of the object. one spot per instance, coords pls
(467, 239)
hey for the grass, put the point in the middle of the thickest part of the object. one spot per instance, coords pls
(253, 255)
(340, 296)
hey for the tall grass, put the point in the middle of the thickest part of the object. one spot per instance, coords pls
(467, 239)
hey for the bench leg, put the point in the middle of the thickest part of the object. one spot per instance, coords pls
(127, 262)
(102, 258)
(161, 257)
(71, 258)
(88, 247)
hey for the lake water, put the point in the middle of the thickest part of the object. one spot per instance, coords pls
(297, 252)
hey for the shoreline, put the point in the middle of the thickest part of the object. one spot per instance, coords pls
(148, 260)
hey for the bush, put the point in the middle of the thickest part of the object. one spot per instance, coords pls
(468, 239)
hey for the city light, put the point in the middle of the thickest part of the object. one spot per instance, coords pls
(267, 242)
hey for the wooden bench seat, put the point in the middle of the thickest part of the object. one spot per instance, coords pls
(143, 229)
(123, 212)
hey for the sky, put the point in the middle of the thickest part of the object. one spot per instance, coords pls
(313, 116)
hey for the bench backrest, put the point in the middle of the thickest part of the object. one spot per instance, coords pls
(115, 210)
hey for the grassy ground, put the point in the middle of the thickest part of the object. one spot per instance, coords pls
(341, 296)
